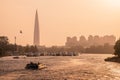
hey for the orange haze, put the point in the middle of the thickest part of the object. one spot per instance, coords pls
(58, 19)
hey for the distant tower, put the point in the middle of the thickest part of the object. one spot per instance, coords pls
(36, 30)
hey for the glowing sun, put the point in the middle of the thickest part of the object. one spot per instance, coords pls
(114, 3)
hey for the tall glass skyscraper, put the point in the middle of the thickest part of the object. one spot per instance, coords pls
(36, 30)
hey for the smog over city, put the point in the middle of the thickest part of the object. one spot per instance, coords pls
(59, 40)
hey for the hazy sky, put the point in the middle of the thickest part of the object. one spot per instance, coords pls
(58, 19)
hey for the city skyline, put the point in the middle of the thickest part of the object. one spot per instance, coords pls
(58, 19)
(90, 41)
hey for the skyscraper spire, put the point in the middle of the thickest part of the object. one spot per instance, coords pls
(36, 30)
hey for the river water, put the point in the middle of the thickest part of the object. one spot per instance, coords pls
(82, 67)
